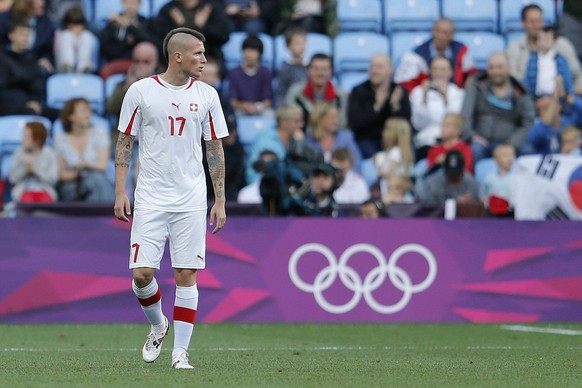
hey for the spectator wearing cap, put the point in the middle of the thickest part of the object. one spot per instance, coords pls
(250, 84)
(322, 184)
(450, 183)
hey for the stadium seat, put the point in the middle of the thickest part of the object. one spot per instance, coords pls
(483, 168)
(157, 5)
(360, 15)
(248, 127)
(11, 132)
(315, 43)
(353, 50)
(472, 15)
(403, 42)
(481, 45)
(351, 79)
(95, 120)
(103, 10)
(232, 50)
(510, 37)
(510, 13)
(369, 171)
(88, 9)
(111, 83)
(115, 67)
(62, 87)
(410, 15)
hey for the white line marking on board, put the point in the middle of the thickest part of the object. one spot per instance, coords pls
(545, 330)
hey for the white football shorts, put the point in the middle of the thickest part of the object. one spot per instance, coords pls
(186, 232)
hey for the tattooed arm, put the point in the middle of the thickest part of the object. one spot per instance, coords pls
(215, 157)
(123, 150)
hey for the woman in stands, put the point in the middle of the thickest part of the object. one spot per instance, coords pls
(34, 170)
(325, 135)
(83, 151)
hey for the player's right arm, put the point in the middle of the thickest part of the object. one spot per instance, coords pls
(129, 125)
(123, 150)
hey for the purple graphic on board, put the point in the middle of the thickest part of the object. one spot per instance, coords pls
(305, 270)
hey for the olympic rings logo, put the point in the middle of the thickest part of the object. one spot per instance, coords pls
(353, 281)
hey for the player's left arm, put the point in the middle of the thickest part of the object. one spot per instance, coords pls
(215, 158)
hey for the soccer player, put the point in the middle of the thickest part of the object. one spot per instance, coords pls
(169, 113)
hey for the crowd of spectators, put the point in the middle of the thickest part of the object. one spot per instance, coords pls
(413, 131)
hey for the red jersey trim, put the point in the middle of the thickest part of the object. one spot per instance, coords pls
(151, 300)
(155, 77)
(212, 131)
(184, 314)
(192, 80)
(128, 129)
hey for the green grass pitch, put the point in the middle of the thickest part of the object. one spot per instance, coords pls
(297, 355)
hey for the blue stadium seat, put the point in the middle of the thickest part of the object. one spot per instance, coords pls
(111, 82)
(232, 50)
(410, 15)
(157, 5)
(62, 87)
(11, 132)
(351, 79)
(481, 45)
(353, 50)
(510, 13)
(403, 42)
(369, 171)
(360, 15)
(483, 168)
(315, 43)
(104, 9)
(472, 15)
(248, 127)
(88, 9)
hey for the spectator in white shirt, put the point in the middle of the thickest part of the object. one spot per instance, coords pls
(352, 187)
(430, 101)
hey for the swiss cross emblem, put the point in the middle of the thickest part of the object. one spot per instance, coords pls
(193, 107)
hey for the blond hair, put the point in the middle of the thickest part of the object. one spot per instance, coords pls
(317, 114)
(397, 133)
(502, 147)
(570, 133)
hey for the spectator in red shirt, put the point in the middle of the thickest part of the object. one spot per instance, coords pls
(450, 140)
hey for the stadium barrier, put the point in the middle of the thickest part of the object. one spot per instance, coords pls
(74, 269)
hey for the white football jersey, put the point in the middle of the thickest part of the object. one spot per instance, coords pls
(169, 123)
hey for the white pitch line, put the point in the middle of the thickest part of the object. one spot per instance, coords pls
(545, 330)
(285, 349)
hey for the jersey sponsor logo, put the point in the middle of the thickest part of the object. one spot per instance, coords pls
(176, 105)
(193, 107)
(349, 277)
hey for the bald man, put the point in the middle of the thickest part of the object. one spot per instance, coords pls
(169, 114)
(144, 57)
(414, 65)
(373, 102)
(497, 109)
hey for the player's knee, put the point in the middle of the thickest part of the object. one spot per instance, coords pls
(142, 278)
